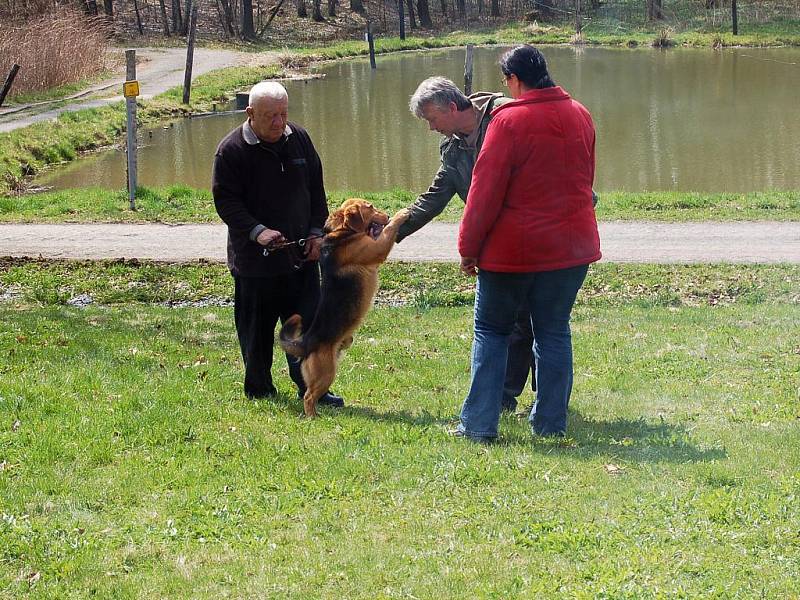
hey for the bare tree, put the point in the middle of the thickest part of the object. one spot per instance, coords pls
(301, 8)
(462, 8)
(248, 29)
(226, 17)
(495, 8)
(654, 10)
(177, 18)
(357, 6)
(424, 13)
(317, 16)
(411, 20)
(444, 7)
(109, 7)
(164, 21)
(331, 8)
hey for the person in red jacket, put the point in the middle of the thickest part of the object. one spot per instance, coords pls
(529, 233)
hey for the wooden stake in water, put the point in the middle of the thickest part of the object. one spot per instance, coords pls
(468, 70)
(371, 43)
(187, 76)
(130, 105)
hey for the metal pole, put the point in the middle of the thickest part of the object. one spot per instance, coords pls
(468, 70)
(187, 77)
(130, 105)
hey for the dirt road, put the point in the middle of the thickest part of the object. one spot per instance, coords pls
(633, 242)
(158, 69)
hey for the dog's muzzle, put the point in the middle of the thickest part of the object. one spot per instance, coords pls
(375, 230)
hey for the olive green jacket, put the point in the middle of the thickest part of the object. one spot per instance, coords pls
(455, 173)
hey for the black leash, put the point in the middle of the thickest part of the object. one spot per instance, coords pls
(281, 246)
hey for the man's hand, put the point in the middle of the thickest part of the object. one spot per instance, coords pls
(469, 266)
(312, 248)
(269, 236)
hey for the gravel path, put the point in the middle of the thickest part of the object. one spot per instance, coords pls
(160, 69)
(634, 242)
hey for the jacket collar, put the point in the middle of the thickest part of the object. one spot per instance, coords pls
(534, 96)
(250, 136)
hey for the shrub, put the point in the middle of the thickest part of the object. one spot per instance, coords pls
(54, 49)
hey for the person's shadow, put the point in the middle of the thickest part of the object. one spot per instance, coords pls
(630, 440)
(634, 440)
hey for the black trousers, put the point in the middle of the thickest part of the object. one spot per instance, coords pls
(521, 360)
(259, 302)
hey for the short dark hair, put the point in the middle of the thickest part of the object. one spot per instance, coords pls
(529, 65)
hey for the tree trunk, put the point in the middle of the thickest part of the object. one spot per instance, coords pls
(109, 7)
(424, 14)
(357, 6)
(735, 17)
(495, 8)
(91, 7)
(248, 29)
(138, 16)
(177, 18)
(654, 10)
(331, 8)
(187, 13)
(318, 11)
(411, 20)
(227, 18)
(462, 8)
(301, 8)
(444, 7)
(164, 20)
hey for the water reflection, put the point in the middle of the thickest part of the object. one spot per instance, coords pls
(681, 119)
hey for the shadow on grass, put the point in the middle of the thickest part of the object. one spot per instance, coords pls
(634, 440)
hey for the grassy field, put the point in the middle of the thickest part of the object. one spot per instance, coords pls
(131, 466)
(181, 204)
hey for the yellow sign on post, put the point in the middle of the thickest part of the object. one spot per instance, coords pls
(130, 89)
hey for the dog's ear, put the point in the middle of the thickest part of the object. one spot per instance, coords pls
(354, 218)
(335, 221)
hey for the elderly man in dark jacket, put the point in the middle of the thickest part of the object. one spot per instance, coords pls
(267, 186)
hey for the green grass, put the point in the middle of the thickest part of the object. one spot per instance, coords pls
(179, 203)
(133, 467)
(423, 285)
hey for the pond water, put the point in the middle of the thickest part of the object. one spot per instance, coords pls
(680, 119)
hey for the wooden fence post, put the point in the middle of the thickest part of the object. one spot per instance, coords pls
(9, 82)
(187, 76)
(468, 70)
(371, 43)
(130, 105)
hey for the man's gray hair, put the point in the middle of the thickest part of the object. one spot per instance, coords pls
(267, 89)
(438, 91)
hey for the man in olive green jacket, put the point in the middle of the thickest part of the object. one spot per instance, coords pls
(463, 121)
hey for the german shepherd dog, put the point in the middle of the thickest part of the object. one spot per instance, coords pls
(358, 238)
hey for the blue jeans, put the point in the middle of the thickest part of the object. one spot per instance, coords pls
(549, 296)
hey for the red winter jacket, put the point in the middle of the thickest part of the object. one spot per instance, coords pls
(529, 207)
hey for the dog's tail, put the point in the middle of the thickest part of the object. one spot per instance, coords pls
(291, 339)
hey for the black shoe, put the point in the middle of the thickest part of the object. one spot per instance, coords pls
(327, 399)
(265, 393)
(509, 403)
